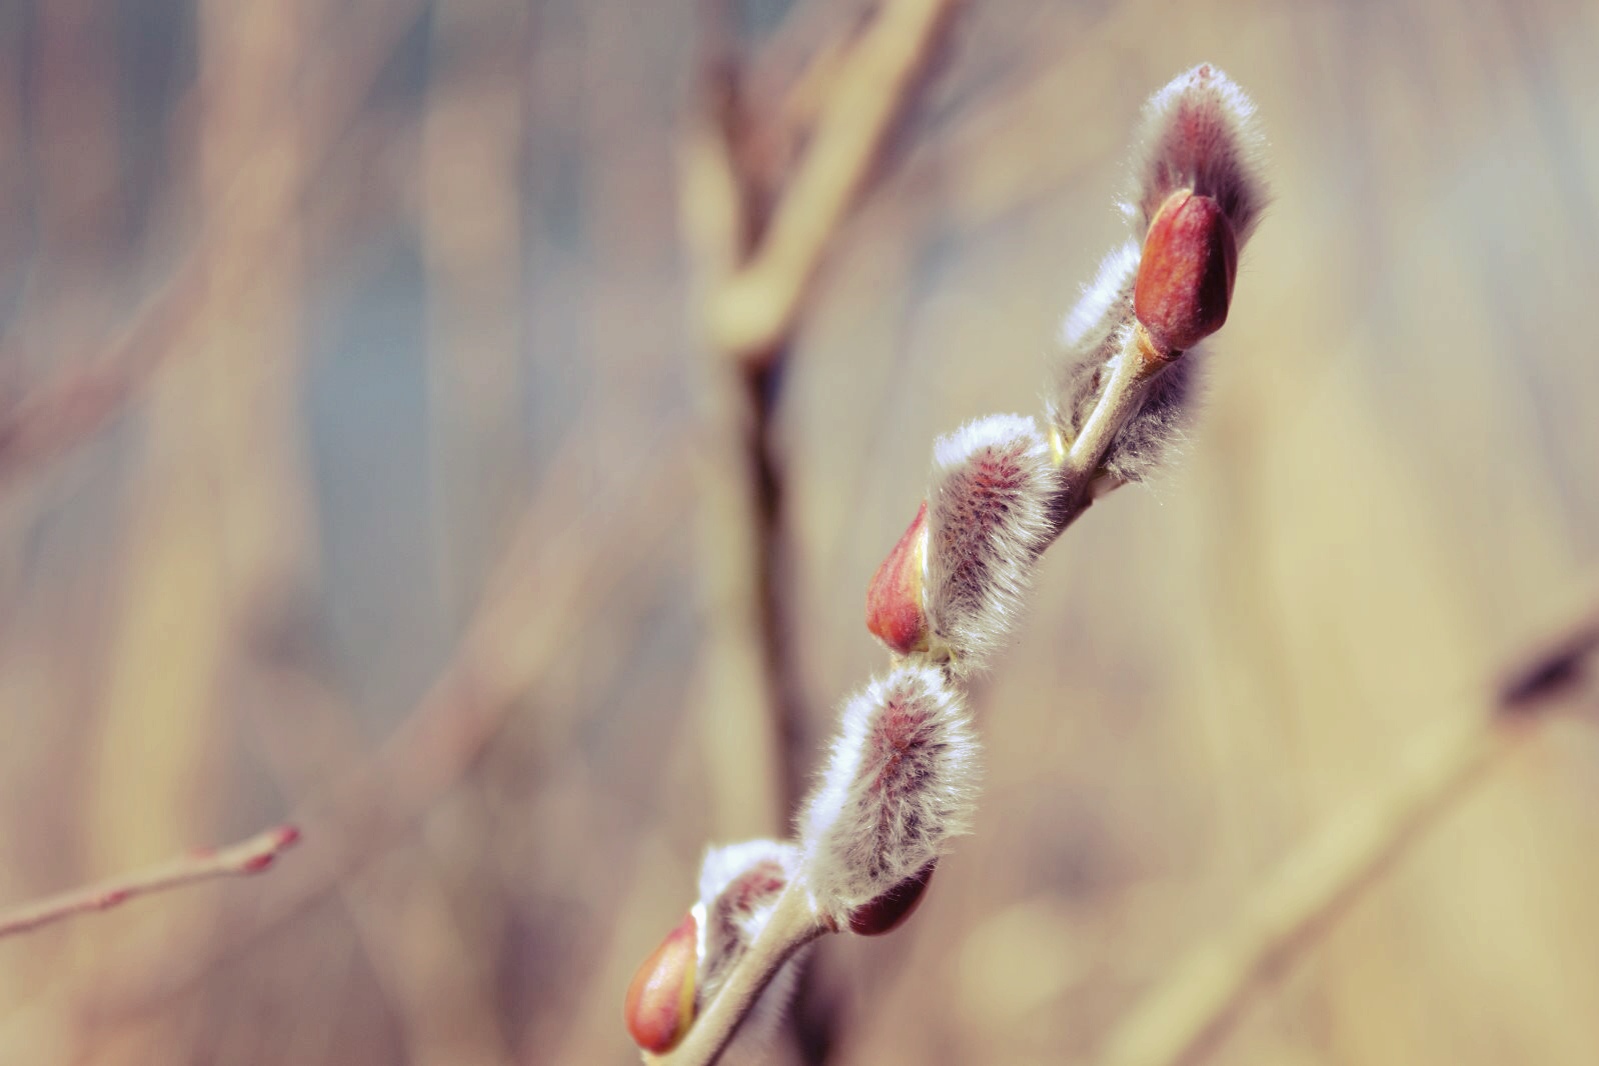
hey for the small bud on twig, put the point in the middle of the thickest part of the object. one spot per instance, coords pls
(1196, 198)
(894, 610)
(899, 786)
(660, 1000)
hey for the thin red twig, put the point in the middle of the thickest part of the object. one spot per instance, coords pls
(236, 860)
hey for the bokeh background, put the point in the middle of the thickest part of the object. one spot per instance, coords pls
(350, 368)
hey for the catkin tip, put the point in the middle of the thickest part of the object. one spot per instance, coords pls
(1199, 132)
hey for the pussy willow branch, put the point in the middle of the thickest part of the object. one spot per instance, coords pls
(250, 856)
(1192, 1007)
(800, 921)
(754, 269)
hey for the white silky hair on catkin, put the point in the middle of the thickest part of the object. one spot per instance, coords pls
(722, 865)
(900, 784)
(1149, 439)
(1091, 338)
(988, 518)
(1200, 132)
(739, 886)
(1106, 303)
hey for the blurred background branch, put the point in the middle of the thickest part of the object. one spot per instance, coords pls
(1192, 1007)
(250, 856)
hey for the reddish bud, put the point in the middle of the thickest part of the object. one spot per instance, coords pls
(286, 836)
(890, 910)
(894, 599)
(660, 1001)
(107, 900)
(1185, 279)
(256, 863)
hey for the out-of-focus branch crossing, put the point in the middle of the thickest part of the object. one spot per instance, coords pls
(1193, 1006)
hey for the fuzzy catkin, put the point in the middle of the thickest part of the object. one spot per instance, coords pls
(900, 783)
(988, 518)
(1199, 132)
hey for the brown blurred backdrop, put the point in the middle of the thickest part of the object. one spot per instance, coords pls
(382, 517)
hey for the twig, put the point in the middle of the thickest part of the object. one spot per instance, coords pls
(250, 856)
(1129, 382)
(1194, 1005)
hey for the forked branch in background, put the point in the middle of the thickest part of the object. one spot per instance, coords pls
(757, 220)
(901, 779)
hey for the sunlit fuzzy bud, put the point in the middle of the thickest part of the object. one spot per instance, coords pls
(1185, 280)
(1199, 133)
(1198, 157)
(900, 784)
(660, 1000)
(988, 518)
(894, 611)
